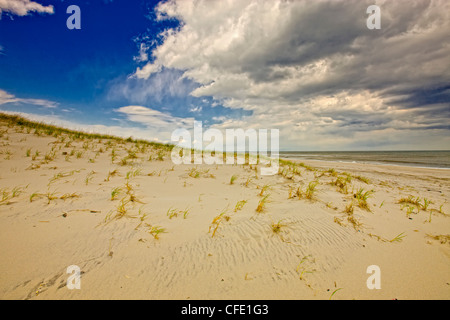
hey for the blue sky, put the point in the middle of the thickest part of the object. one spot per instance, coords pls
(311, 69)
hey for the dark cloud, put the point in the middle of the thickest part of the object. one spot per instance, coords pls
(316, 63)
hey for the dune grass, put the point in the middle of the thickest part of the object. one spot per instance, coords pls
(362, 196)
(262, 204)
(233, 178)
(277, 227)
(155, 231)
(398, 238)
(239, 205)
(115, 192)
(7, 195)
(217, 221)
(442, 238)
(41, 128)
(264, 188)
(341, 184)
(171, 213)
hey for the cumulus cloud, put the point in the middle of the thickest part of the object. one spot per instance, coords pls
(23, 7)
(6, 97)
(314, 66)
(156, 123)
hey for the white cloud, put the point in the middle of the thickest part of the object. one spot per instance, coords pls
(143, 56)
(158, 124)
(6, 97)
(166, 83)
(196, 109)
(313, 66)
(23, 7)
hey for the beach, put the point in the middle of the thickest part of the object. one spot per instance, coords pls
(140, 227)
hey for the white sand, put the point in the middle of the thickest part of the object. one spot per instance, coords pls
(245, 259)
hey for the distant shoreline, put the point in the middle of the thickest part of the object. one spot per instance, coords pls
(414, 159)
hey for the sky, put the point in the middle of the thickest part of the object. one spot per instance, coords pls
(310, 68)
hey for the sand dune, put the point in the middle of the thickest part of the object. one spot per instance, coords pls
(140, 227)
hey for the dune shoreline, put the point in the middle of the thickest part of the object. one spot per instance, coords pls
(140, 227)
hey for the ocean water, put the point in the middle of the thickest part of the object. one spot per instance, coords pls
(425, 159)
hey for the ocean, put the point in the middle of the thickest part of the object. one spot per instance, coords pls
(425, 159)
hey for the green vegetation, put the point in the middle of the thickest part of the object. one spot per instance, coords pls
(361, 196)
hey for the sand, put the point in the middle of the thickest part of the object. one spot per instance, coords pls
(59, 211)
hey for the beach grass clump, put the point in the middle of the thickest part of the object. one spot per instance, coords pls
(334, 292)
(7, 195)
(132, 154)
(354, 222)
(262, 204)
(362, 196)
(133, 173)
(217, 221)
(286, 172)
(425, 204)
(247, 182)
(239, 205)
(112, 174)
(115, 193)
(113, 155)
(349, 209)
(89, 177)
(50, 156)
(309, 168)
(348, 177)
(442, 238)
(160, 155)
(264, 188)
(409, 210)
(299, 192)
(398, 238)
(341, 184)
(35, 155)
(171, 213)
(35, 195)
(302, 269)
(410, 200)
(233, 178)
(133, 198)
(155, 231)
(362, 179)
(311, 190)
(332, 172)
(291, 192)
(276, 227)
(72, 195)
(121, 210)
(51, 196)
(194, 173)
(124, 162)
